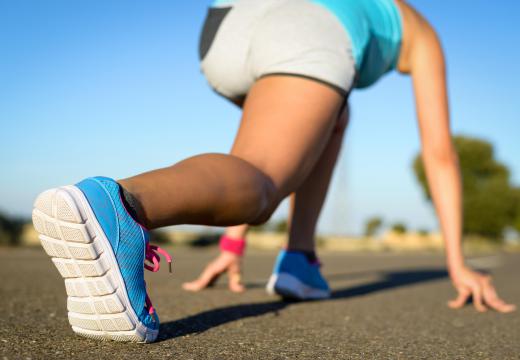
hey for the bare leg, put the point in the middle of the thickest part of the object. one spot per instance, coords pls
(307, 202)
(286, 125)
(306, 206)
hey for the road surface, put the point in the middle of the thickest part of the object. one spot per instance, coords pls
(385, 306)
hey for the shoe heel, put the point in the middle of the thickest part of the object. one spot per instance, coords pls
(68, 235)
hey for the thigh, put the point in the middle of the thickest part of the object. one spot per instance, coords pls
(286, 124)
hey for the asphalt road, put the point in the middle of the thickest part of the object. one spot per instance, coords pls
(384, 306)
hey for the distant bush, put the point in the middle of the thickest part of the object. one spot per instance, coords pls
(259, 228)
(11, 230)
(159, 237)
(399, 228)
(372, 226)
(205, 239)
(279, 226)
(423, 232)
(491, 203)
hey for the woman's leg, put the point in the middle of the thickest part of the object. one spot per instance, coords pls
(306, 205)
(307, 201)
(285, 127)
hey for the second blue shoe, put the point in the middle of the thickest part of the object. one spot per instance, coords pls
(294, 277)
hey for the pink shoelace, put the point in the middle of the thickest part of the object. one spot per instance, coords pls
(152, 256)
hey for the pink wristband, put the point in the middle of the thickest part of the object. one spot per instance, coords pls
(235, 246)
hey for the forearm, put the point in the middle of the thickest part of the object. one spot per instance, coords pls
(445, 186)
(439, 156)
(427, 67)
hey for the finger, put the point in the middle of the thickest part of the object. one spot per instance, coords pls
(235, 278)
(494, 301)
(201, 283)
(235, 284)
(460, 300)
(501, 306)
(194, 286)
(506, 308)
(490, 295)
(476, 292)
(206, 279)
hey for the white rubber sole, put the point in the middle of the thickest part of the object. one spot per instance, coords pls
(98, 304)
(288, 286)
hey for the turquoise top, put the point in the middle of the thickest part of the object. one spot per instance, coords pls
(375, 30)
(222, 2)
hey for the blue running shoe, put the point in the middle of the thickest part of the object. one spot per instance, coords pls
(100, 251)
(295, 278)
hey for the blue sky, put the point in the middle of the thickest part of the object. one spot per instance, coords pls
(104, 87)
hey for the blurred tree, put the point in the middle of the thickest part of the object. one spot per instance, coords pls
(489, 203)
(259, 228)
(516, 211)
(278, 226)
(11, 230)
(281, 226)
(399, 228)
(423, 232)
(159, 237)
(372, 226)
(206, 239)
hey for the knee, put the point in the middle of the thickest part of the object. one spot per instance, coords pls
(268, 201)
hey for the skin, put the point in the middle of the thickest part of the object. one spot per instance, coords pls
(205, 189)
(306, 204)
(422, 58)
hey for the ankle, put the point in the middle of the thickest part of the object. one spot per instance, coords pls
(311, 255)
(132, 205)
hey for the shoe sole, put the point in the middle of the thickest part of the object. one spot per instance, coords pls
(290, 287)
(97, 303)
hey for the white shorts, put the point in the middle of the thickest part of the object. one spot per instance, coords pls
(255, 38)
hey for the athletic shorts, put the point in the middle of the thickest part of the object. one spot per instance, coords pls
(255, 38)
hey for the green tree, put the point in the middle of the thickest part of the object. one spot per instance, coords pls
(423, 232)
(278, 226)
(281, 226)
(490, 203)
(516, 210)
(372, 226)
(11, 230)
(399, 228)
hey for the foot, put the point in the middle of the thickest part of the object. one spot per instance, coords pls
(294, 277)
(100, 251)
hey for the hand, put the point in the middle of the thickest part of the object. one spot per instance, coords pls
(471, 283)
(226, 261)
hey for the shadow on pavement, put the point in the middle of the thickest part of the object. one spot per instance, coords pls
(209, 319)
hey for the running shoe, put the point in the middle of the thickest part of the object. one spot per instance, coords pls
(100, 251)
(294, 277)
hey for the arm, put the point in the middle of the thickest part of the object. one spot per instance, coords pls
(428, 72)
(438, 153)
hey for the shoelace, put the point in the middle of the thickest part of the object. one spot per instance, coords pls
(152, 255)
